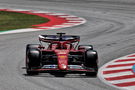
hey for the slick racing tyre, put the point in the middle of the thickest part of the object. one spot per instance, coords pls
(32, 58)
(91, 58)
(32, 46)
(85, 47)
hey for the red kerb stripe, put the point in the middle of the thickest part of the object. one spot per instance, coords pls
(124, 60)
(125, 84)
(120, 65)
(116, 71)
(132, 55)
(120, 77)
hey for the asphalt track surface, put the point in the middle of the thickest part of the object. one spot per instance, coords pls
(110, 28)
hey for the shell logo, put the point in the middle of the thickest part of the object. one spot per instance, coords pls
(62, 57)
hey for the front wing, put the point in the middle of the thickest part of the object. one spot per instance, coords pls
(71, 69)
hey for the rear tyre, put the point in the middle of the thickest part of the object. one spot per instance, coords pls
(91, 58)
(32, 58)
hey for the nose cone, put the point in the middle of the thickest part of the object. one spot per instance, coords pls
(62, 59)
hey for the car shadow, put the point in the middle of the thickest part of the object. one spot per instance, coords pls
(59, 76)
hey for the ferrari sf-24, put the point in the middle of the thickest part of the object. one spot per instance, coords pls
(61, 55)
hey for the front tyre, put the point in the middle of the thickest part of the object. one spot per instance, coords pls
(32, 58)
(91, 60)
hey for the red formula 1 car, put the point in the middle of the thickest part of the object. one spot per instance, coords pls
(62, 55)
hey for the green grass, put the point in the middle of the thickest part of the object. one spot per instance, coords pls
(13, 20)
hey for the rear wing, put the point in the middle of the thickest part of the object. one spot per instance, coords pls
(55, 38)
